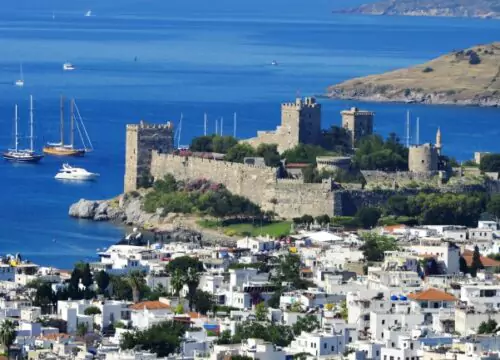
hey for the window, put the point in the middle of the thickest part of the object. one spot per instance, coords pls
(383, 322)
(324, 345)
(391, 357)
(333, 348)
(392, 344)
(377, 353)
(411, 346)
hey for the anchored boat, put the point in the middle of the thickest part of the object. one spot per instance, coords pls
(62, 149)
(23, 155)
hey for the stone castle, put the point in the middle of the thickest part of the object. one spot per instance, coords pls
(149, 156)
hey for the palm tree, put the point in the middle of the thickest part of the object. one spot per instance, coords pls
(7, 334)
(137, 282)
(192, 281)
(177, 281)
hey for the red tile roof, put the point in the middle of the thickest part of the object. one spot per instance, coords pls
(150, 305)
(432, 295)
(486, 261)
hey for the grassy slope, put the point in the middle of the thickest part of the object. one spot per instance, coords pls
(451, 75)
(276, 229)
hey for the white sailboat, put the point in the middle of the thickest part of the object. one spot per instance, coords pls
(20, 82)
(88, 13)
(23, 155)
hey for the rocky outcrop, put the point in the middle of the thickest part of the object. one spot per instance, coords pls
(123, 209)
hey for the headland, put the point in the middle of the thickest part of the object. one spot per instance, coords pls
(485, 9)
(462, 77)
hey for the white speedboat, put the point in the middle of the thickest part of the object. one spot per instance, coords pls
(70, 173)
(20, 81)
(68, 66)
(88, 13)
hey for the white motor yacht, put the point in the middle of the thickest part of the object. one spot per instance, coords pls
(68, 66)
(71, 173)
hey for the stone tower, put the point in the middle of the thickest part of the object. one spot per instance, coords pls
(358, 122)
(438, 141)
(301, 121)
(141, 140)
(423, 158)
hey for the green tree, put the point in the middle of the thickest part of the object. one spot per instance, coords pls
(239, 152)
(222, 144)
(137, 282)
(344, 311)
(203, 302)
(323, 219)
(120, 288)
(476, 262)
(463, 265)
(202, 144)
(157, 292)
(374, 153)
(224, 338)
(306, 323)
(177, 281)
(81, 329)
(192, 281)
(336, 139)
(397, 205)
(183, 263)
(102, 280)
(487, 327)
(270, 154)
(86, 276)
(261, 311)
(162, 339)
(7, 334)
(44, 297)
(303, 153)
(490, 163)
(92, 310)
(375, 245)
(493, 206)
(368, 217)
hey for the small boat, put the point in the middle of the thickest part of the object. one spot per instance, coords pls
(274, 63)
(23, 155)
(62, 149)
(72, 173)
(68, 66)
(88, 13)
(20, 81)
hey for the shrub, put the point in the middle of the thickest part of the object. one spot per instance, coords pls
(474, 58)
(428, 69)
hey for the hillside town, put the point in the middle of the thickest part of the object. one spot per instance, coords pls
(391, 293)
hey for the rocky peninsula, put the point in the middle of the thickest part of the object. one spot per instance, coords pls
(127, 209)
(489, 9)
(462, 77)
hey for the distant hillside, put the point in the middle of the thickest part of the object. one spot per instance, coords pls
(465, 77)
(453, 8)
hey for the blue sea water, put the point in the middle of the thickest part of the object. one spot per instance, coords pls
(193, 57)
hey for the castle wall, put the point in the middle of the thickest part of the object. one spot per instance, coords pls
(245, 180)
(288, 198)
(423, 158)
(293, 198)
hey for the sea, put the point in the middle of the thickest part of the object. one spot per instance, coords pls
(154, 60)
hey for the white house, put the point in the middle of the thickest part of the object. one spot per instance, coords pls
(318, 344)
(147, 313)
(256, 245)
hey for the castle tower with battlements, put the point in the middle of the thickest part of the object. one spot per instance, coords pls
(300, 124)
(358, 122)
(141, 140)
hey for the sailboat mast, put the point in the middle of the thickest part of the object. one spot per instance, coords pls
(180, 130)
(16, 136)
(72, 122)
(62, 120)
(234, 125)
(31, 124)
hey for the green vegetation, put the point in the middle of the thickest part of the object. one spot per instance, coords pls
(162, 339)
(375, 245)
(487, 327)
(199, 196)
(92, 310)
(493, 206)
(437, 208)
(336, 139)
(274, 229)
(368, 217)
(304, 153)
(7, 334)
(374, 153)
(476, 262)
(490, 163)
(213, 143)
(427, 69)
